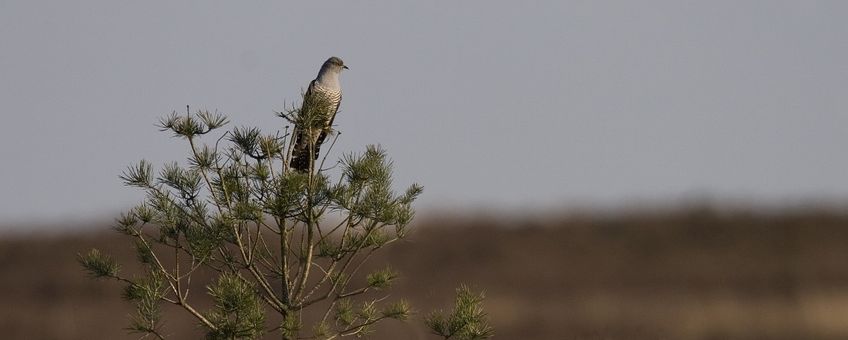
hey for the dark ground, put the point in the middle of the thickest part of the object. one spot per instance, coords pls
(690, 274)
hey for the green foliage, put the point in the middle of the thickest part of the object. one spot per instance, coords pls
(146, 292)
(237, 313)
(366, 192)
(382, 279)
(345, 313)
(467, 321)
(98, 264)
(321, 330)
(358, 319)
(399, 310)
(144, 253)
(291, 325)
(274, 240)
(189, 126)
(140, 175)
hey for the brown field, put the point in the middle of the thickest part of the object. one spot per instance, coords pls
(687, 274)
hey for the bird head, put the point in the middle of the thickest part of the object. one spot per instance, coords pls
(335, 63)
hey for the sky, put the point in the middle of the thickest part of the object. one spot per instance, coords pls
(497, 104)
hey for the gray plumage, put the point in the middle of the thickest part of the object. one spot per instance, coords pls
(325, 93)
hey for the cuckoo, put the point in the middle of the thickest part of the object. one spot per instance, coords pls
(323, 93)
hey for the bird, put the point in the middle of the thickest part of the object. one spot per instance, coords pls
(324, 93)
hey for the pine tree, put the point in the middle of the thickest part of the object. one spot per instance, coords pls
(276, 240)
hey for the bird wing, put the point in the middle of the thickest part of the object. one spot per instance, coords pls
(299, 159)
(309, 90)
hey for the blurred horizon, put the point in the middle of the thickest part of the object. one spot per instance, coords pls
(505, 216)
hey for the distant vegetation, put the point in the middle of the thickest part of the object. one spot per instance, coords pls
(692, 273)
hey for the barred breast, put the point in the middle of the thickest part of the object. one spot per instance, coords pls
(332, 95)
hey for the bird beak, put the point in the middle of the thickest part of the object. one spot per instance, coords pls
(345, 67)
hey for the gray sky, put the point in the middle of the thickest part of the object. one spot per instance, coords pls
(503, 104)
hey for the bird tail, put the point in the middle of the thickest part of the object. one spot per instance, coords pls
(300, 154)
